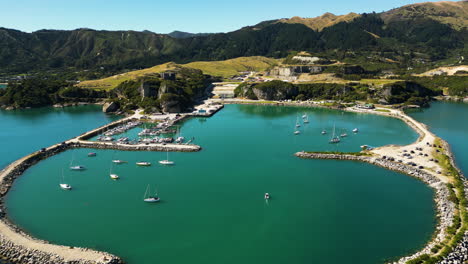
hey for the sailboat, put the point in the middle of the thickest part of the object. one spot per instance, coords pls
(305, 119)
(334, 138)
(148, 198)
(355, 130)
(324, 132)
(344, 134)
(76, 167)
(297, 122)
(166, 161)
(113, 175)
(63, 185)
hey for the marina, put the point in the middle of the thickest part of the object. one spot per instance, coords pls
(174, 180)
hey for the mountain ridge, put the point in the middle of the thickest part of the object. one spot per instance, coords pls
(404, 30)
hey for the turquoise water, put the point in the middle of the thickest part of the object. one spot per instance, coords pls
(212, 208)
(448, 120)
(25, 131)
(3, 86)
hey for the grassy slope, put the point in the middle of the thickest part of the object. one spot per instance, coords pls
(320, 22)
(233, 66)
(112, 81)
(454, 14)
(216, 68)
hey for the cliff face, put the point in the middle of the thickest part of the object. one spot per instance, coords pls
(276, 94)
(401, 92)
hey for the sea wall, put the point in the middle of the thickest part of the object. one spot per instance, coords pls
(139, 147)
(445, 208)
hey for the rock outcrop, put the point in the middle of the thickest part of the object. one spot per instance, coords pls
(110, 107)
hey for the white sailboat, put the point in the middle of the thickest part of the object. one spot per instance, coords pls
(297, 122)
(75, 167)
(334, 138)
(63, 185)
(324, 132)
(113, 175)
(167, 161)
(148, 198)
(344, 134)
(305, 119)
(355, 130)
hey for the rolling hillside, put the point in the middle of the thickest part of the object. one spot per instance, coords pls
(215, 68)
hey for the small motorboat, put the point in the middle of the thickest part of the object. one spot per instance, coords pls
(92, 154)
(355, 130)
(297, 132)
(267, 196)
(324, 132)
(344, 135)
(65, 186)
(114, 176)
(143, 163)
(119, 161)
(77, 167)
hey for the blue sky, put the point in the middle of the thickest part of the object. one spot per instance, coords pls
(166, 16)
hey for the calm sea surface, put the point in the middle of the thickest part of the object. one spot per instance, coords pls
(449, 121)
(212, 208)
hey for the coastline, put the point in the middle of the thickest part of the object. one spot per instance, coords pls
(20, 247)
(430, 172)
(26, 249)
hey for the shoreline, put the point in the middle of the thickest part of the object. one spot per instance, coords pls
(20, 247)
(431, 173)
(23, 248)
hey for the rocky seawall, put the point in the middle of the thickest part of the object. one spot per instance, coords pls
(445, 208)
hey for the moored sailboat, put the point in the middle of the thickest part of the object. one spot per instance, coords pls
(63, 185)
(167, 161)
(334, 138)
(148, 198)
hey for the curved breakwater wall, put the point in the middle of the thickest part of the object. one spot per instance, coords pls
(445, 208)
(19, 247)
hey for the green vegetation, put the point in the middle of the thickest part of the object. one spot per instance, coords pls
(43, 91)
(394, 93)
(161, 95)
(460, 223)
(225, 69)
(456, 85)
(370, 40)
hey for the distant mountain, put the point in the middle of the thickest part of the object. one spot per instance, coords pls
(454, 14)
(320, 22)
(434, 31)
(181, 34)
